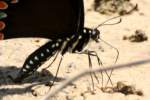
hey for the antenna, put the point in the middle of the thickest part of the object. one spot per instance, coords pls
(103, 23)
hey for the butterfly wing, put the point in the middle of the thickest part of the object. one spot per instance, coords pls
(47, 19)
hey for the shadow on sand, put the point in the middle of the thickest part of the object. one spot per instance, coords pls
(35, 79)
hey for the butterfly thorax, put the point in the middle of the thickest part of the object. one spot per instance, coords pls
(76, 43)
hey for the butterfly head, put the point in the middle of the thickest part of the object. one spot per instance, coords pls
(95, 35)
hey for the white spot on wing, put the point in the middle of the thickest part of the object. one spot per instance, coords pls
(84, 31)
(31, 62)
(72, 36)
(42, 54)
(36, 58)
(68, 39)
(59, 40)
(47, 50)
(27, 66)
(80, 36)
(53, 45)
(24, 70)
(90, 31)
(57, 44)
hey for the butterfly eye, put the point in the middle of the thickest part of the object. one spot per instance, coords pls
(95, 35)
(93, 32)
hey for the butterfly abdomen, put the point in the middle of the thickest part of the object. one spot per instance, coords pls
(37, 58)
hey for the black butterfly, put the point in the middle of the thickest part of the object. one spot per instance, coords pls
(60, 21)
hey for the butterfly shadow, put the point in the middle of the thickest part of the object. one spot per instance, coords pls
(8, 87)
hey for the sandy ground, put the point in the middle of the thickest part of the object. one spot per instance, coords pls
(14, 52)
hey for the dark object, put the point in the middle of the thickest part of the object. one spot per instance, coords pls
(139, 36)
(61, 21)
(52, 19)
(48, 18)
(123, 88)
(109, 7)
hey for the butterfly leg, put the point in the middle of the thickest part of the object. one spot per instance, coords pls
(56, 72)
(90, 66)
(52, 61)
(93, 53)
(116, 58)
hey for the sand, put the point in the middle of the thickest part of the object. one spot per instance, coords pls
(14, 52)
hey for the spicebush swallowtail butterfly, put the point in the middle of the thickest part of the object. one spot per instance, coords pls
(60, 21)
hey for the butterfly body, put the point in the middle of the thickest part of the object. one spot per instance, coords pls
(60, 21)
(73, 44)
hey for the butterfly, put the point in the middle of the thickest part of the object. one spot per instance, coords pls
(60, 21)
